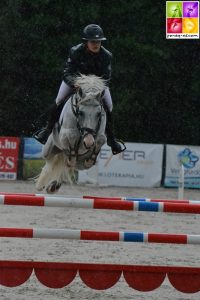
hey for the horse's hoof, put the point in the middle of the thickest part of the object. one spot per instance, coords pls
(68, 164)
(71, 163)
(39, 188)
(53, 187)
(88, 163)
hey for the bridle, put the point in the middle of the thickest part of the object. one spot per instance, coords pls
(84, 130)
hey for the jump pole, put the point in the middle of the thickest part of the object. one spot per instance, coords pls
(142, 199)
(99, 204)
(103, 198)
(117, 236)
(99, 276)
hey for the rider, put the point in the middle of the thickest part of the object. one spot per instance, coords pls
(89, 57)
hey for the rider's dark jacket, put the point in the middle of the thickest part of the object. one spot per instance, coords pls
(83, 61)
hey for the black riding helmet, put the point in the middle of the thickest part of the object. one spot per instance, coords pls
(93, 32)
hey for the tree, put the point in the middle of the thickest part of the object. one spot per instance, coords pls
(155, 82)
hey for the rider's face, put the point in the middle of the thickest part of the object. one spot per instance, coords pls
(94, 46)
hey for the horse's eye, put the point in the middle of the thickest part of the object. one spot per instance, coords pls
(99, 114)
(81, 113)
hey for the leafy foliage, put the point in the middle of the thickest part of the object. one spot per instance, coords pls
(155, 82)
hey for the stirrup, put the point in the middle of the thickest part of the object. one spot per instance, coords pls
(42, 135)
(119, 141)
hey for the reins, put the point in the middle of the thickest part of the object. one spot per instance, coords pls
(76, 112)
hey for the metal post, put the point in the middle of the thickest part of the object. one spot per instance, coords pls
(181, 183)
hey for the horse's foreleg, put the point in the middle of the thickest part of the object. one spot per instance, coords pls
(49, 149)
(100, 141)
(69, 139)
(92, 160)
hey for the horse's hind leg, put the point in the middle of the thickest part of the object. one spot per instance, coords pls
(49, 151)
(51, 176)
(53, 187)
(45, 175)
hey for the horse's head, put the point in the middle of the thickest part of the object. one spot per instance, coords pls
(89, 109)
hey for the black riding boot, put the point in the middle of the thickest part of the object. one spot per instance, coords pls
(54, 114)
(115, 146)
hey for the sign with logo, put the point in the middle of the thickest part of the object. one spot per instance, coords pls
(188, 156)
(32, 149)
(33, 161)
(140, 165)
(182, 19)
(9, 150)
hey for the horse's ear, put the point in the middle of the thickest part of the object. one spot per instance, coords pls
(102, 94)
(80, 92)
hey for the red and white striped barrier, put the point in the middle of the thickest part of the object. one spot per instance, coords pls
(19, 194)
(98, 203)
(99, 276)
(143, 199)
(120, 236)
(133, 199)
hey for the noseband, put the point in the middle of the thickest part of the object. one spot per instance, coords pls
(84, 130)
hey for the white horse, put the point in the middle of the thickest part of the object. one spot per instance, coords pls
(78, 137)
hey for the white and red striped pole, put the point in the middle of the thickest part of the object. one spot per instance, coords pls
(138, 199)
(142, 237)
(142, 199)
(166, 207)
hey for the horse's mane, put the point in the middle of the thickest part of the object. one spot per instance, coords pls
(88, 82)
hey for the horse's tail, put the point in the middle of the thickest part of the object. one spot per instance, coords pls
(55, 170)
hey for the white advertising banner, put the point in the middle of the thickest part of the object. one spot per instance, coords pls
(188, 156)
(140, 165)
